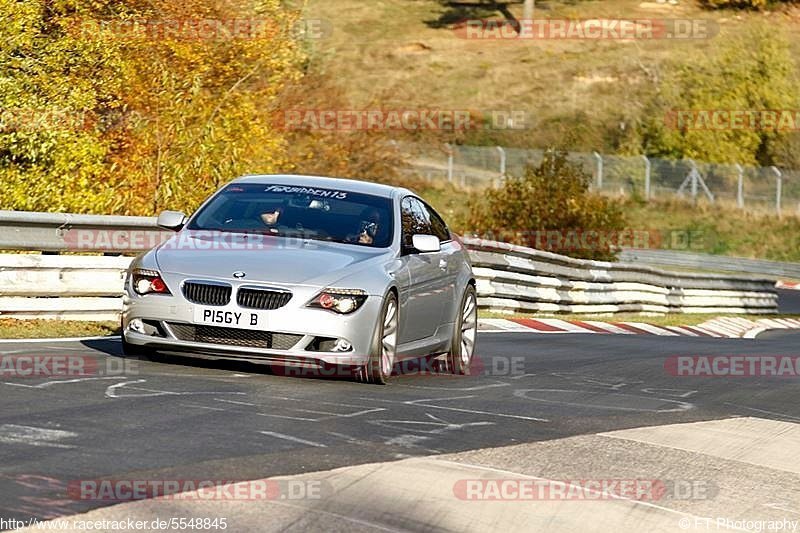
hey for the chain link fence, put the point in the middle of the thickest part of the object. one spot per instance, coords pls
(752, 188)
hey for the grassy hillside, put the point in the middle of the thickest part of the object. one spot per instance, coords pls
(404, 53)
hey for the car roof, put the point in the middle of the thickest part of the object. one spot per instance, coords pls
(321, 182)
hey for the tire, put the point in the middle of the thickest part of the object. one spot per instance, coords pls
(383, 350)
(465, 332)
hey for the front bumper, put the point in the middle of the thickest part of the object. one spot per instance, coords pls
(293, 335)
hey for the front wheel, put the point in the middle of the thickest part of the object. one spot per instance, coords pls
(382, 354)
(465, 332)
(133, 350)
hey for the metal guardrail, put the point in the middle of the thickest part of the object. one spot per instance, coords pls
(697, 261)
(60, 232)
(515, 278)
(510, 278)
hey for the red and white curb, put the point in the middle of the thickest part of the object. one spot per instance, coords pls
(793, 285)
(730, 328)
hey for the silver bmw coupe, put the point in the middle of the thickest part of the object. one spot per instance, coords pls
(306, 271)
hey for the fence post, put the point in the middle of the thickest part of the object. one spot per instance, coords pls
(694, 181)
(502, 163)
(646, 178)
(449, 162)
(740, 187)
(778, 187)
(599, 170)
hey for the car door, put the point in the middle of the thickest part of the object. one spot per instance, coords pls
(427, 276)
(451, 256)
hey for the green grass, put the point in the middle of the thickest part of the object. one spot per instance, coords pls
(46, 329)
(722, 230)
(659, 320)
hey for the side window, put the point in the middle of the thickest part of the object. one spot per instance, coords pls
(415, 220)
(438, 227)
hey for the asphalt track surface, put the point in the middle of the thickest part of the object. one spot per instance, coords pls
(789, 301)
(189, 420)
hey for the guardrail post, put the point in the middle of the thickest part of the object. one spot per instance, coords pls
(449, 162)
(646, 178)
(778, 187)
(740, 187)
(599, 176)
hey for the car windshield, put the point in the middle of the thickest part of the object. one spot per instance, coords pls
(296, 211)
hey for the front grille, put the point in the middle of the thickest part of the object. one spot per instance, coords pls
(234, 337)
(207, 293)
(262, 298)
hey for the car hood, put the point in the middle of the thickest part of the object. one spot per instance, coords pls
(274, 260)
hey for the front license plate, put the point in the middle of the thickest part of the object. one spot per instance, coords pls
(227, 317)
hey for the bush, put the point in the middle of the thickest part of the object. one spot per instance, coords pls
(96, 122)
(754, 71)
(551, 199)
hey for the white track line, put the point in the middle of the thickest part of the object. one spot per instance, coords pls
(655, 330)
(115, 338)
(611, 328)
(292, 439)
(563, 325)
(683, 331)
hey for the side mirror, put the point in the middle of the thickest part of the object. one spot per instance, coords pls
(171, 220)
(426, 243)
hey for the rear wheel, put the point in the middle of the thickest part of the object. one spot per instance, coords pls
(465, 332)
(378, 367)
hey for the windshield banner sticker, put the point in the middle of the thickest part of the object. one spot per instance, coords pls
(336, 195)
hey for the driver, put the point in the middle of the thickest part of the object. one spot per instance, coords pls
(370, 223)
(270, 218)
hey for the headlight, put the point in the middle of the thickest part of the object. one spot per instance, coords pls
(148, 282)
(342, 301)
